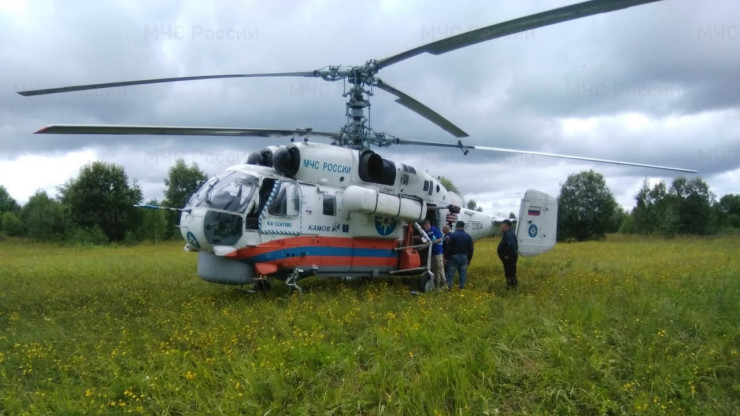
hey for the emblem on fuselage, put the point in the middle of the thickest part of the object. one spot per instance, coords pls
(385, 226)
(192, 240)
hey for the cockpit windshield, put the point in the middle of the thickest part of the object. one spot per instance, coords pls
(231, 191)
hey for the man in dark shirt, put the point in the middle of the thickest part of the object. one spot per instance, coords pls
(459, 253)
(446, 233)
(508, 252)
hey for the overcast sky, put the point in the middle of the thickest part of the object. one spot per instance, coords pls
(657, 84)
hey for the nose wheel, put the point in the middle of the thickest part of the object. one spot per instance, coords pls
(262, 285)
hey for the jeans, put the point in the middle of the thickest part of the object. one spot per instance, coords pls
(457, 263)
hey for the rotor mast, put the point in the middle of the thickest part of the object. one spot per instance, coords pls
(356, 134)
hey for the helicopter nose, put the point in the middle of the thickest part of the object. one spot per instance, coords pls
(193, 230)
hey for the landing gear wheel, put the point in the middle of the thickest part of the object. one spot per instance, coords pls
(427, 282)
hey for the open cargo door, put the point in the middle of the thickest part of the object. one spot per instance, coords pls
(536, 228)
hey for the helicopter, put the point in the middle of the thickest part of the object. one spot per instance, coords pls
(341, 209)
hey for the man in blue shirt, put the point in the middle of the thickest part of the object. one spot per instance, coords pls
(438, 262)
(459, 253)
(508, 252)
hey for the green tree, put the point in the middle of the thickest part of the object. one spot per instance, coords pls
(153, 223)
(44, 217)
(11, 224)
(101, 197)
(447, 183)
(585, 207)
(654, 212)
(692, 204)
(7, 204)
(727, 211)
(181, 182)
(473, 204)
(620, 215)
(628, 224)
(684, 208)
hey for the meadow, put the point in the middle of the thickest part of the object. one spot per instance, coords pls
(629, 325)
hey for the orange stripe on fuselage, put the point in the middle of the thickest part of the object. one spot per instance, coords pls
(291, 252)
(298, 242)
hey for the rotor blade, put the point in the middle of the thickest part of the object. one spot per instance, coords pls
(510, 27)
(422, 110)
(464, 148)
(177, 131)
(159, 81)
(150, 206)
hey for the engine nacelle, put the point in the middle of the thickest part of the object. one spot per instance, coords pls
(327, 165)
(262, 157)
(375, 169)
(287, 161)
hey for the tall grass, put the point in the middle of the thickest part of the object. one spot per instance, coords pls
(625, 326)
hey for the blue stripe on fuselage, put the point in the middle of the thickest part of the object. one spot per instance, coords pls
(323, 252)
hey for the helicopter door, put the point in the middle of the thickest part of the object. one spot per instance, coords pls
(537, 225)
(283, 208)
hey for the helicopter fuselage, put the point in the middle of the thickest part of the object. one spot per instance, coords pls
(318, 209)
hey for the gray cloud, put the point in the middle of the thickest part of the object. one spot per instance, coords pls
(653, 84)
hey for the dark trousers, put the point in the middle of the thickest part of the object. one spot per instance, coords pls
(510, 270)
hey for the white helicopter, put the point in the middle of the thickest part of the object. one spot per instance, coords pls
(340, 209)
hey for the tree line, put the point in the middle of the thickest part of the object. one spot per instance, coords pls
(587, 209)
(98, 207)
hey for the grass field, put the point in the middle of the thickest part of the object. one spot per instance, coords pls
(625, 326)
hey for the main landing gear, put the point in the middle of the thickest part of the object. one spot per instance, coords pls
(427, 282)
(262, 284)
(292, 280)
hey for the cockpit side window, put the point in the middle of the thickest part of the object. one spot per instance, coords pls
(287, 202)
(279, 205)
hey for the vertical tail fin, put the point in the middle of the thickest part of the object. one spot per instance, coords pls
(536, 227)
